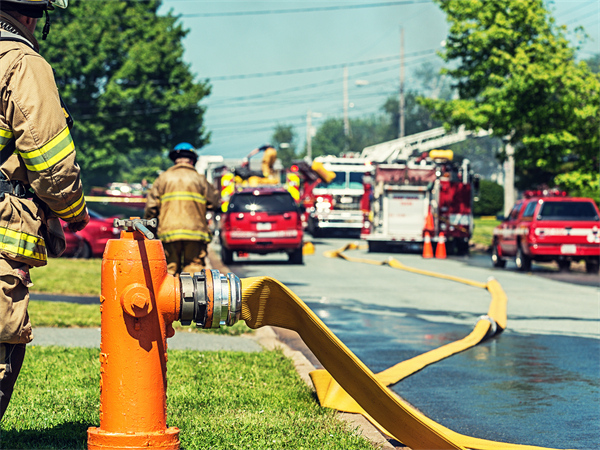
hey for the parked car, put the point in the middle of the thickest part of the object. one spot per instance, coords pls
(93, 237)
(74, 245)
(261, 220)
(549, 228)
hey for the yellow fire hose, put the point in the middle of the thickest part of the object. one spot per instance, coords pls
(347, 384)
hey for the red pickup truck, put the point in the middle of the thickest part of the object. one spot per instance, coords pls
(549, 228)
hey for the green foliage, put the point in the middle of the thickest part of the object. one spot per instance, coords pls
(579, 184)
(331, 140)
(491, 199)
(594, 63)
(284, 134)
(515, 73)
(120, 69)
(227, 400)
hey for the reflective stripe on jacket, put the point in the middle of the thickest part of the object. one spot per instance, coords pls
(179, 198)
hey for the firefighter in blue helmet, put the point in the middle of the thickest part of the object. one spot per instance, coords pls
(180, 197)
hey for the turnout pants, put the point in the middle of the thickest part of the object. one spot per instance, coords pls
(11, 360)
(15, 328)
(185, 256)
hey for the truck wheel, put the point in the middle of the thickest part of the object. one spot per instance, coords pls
(592, 266)
(226, 255)
(313, 228)
(564, 265)
(497, 261)
(296, 256)
(522, 260)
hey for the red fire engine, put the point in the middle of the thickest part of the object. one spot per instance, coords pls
(401, 196)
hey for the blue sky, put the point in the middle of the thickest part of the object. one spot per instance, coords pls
(267, 67)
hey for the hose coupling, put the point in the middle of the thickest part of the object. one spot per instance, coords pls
(493, 325)
(210, 299)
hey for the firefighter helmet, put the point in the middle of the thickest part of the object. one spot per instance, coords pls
(183, 150)
(32, 8)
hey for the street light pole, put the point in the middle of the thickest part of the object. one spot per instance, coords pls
(346, 121)
(401, 98)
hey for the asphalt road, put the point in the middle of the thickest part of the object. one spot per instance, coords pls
(537, 383)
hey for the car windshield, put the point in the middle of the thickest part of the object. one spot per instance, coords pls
(356, 180)
(568, 211)
(272, 203)
(339, 182)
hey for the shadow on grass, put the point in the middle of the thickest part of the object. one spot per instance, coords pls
(68, 435)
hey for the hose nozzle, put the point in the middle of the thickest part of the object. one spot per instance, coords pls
(210, 299)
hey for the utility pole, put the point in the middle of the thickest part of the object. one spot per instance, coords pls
(509, 179)
(346, 121)
(401, 98)
(309, 136)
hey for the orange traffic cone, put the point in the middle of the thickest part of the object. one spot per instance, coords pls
(427, 249)
(429, 222)
(440, 250)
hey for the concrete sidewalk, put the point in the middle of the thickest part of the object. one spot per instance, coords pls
(183, 340)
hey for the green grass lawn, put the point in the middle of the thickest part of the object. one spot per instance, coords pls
(483, 231)
(220, 400)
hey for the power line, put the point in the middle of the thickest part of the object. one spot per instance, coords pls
(227, 102)
(315, 69)
(304, 10)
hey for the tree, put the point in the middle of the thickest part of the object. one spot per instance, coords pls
(331, 139)
(417, 118)
(594, 63)
(284, 134)
(120, 69)
(516, 74)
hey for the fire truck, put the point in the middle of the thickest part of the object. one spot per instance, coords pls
(334, 204)
(425, 193)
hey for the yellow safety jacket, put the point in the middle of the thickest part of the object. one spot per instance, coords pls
(37, 149)
(179, 198)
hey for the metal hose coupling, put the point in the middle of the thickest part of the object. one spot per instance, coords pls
(210, 299)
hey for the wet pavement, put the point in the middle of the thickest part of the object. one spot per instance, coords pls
(520, 388)
(537, 383)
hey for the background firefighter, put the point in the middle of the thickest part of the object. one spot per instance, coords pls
(39, 179)
(267, 163)
(179, 198)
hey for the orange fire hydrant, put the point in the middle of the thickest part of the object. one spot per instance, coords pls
(139, 302)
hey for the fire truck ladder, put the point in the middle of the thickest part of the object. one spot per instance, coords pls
(403, 148)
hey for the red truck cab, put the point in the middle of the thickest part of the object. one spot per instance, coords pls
(549, 228)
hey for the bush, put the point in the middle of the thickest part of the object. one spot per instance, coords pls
(491, 199)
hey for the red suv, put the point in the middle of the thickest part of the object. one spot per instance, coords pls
(261, 220)
(549, 228)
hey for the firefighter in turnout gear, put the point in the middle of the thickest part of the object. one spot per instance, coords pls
(39, 178)
(179, 198)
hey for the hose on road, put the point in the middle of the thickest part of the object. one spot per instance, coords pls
(347, 384)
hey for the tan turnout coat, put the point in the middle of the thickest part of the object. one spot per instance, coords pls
(179, 198)
(34, 132)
